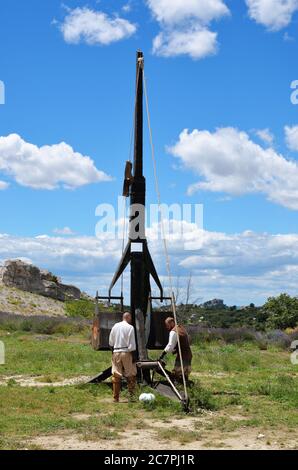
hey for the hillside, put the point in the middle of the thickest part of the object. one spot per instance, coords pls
(13, 300)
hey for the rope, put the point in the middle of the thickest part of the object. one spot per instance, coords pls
(163, 236)
(130, 145)
(123, 237)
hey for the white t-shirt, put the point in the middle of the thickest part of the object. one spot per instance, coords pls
(173, 340)
(122, 337)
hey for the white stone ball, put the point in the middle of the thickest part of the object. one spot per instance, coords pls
(147, 397)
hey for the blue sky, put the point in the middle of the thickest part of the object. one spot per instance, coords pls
(69, 73)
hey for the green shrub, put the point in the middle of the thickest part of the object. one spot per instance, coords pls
(201, 398)
(80, 308)
(26, 325)
(44, 325)
(281, 312)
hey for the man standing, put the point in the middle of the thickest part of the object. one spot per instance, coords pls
(122, 340)
(172, 346)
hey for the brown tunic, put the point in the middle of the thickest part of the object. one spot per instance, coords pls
(184, 344)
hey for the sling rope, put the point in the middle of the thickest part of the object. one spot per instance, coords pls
(173, 302)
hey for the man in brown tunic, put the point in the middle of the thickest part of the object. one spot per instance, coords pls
(172, 346)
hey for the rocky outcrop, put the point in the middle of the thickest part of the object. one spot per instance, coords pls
(25, 276)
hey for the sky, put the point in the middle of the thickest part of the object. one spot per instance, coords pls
(225, 129)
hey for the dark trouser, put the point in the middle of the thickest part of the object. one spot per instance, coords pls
(177, 371)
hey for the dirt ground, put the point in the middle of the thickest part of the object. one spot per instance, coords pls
(146, 439)
(34, 381)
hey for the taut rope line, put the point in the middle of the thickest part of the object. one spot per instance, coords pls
(164, 237)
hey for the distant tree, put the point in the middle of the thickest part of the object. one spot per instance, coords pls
(184, 300)
(281, 312)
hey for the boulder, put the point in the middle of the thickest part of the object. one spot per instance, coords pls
(48, 276)
(25, 276)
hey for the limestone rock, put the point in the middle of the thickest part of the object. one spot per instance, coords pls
(25, 276)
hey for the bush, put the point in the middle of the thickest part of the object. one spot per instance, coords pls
(293, 334)
(281, 311)
(201, 398)
(42, 324)
(227, 317)
(200, 335)
(227, 335)
(278, 338)
(80, 308)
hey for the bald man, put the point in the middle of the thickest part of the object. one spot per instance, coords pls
(122, 340)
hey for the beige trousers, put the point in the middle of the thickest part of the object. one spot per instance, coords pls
(122, 364)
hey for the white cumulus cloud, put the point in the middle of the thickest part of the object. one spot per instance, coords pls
(291, 133)
(64, 231)
(95, 27)
(265, 135)
(195, 42)
(175, 11)
(240, 268)
(229, 161)
(184, 26)
(127, 7)
(274, 14)
(46, 167)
